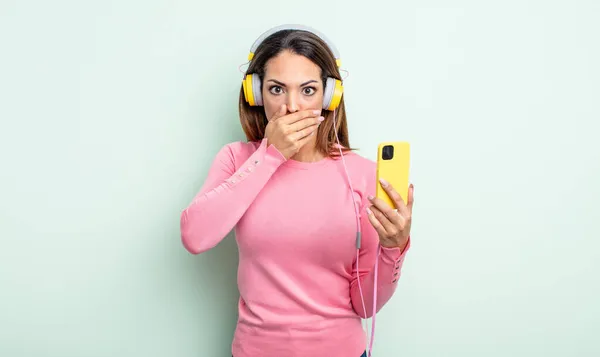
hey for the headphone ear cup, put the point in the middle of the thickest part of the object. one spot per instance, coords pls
(256, 89)
(251, 85)
(332, 95)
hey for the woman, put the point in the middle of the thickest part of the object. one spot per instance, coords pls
(304, 286)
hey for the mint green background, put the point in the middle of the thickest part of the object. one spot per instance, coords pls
(111, 112)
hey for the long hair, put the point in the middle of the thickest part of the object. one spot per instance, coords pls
(304, 43)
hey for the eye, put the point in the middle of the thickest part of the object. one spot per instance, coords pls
(309, 90)
(275, 90)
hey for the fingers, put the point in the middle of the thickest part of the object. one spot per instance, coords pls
(303, 126)
(375, 223)
(385, 220)
(294, 117)
(395, 196)
(389, 212)
(304, 138)
(309, 131)
(297, 139)
(382, 224)
(305, 123)
(411, 198)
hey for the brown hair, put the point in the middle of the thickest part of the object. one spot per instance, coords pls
(304, 43)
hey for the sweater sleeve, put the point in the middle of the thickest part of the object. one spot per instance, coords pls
(226, 195)
(388, 270)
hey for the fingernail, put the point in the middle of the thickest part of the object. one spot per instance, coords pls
(383, 182)
(321, 118)
(317, 111)
(369, 211)
(370, 198)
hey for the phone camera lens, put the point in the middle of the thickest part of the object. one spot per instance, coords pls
(387, 152)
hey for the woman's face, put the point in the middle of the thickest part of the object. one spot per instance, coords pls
(292, 80)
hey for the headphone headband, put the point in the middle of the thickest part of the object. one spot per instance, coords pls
(273, 30)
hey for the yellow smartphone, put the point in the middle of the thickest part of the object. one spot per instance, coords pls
(393, 165)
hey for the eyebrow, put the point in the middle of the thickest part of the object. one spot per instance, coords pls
(283, 85)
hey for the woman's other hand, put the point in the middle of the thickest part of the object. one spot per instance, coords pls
(392, 223)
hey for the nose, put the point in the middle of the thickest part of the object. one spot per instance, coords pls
(292, 103)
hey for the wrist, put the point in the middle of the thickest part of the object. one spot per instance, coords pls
(393, 245)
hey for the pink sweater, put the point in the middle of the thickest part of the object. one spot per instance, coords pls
(295, 228)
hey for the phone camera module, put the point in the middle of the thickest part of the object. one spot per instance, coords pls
(387, 152)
